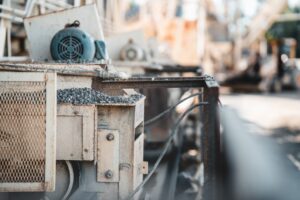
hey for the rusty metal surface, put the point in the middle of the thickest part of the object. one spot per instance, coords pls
(155, 82)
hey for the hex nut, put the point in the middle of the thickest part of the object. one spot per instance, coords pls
(108, 174)
(110, 137)
(76, 112)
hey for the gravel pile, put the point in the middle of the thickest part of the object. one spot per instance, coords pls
(89, 96)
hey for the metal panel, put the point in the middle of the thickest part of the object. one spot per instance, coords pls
(21, 77)
(108, 156)
(75, 131)
(138, 161)
(66, 82)
(50, 132)
(121, 118)
(27, 131)
(139, 113)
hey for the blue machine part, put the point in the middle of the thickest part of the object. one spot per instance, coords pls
(72, 44)
(100, 50)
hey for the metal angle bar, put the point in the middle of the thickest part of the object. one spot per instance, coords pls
(210, 142)
(175, 70)
(181, 68)
(156, 82)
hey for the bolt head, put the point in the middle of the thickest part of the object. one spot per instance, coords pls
(108, 174)
(110, 137)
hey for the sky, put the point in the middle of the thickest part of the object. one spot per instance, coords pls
(294, 3)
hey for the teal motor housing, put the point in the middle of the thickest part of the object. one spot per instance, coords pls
(75, 45)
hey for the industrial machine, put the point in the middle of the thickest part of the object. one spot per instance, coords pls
(73, 127)
(76, 134)
(55, 138)
(68, 140)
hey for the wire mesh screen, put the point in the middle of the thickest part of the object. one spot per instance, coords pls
(22, 132)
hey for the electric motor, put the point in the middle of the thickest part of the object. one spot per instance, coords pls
(132, 52)
(74, 44)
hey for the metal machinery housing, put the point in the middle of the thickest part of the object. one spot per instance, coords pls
(99, 148)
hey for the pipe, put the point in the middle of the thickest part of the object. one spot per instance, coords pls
(22, 13)
(11, 18)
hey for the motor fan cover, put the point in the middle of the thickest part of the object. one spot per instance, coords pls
(132, 52)
(72, 44)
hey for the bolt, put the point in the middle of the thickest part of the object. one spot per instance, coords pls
(109, 174)
(110, 137)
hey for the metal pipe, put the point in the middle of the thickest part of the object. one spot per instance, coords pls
(29, 7)
(11, 10)
(11, 18)
(26, 12)
(62, 4)
(9, 51)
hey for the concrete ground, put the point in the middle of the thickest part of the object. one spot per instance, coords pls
(274, 115)
(264, 153)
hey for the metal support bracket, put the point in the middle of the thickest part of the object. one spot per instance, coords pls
(108, 155)
(145, 168)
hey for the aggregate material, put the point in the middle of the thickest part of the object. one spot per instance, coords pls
(81, 96)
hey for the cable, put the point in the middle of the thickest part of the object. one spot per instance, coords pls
(166, 147)
(220, 103)
(71, 181)
(152, 120)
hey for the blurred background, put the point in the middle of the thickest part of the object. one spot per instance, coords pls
(251, 47)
